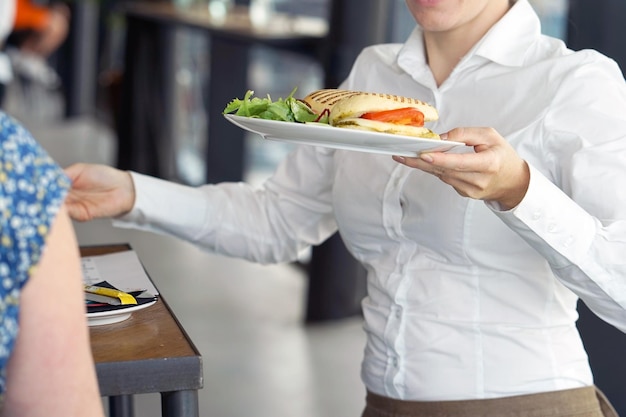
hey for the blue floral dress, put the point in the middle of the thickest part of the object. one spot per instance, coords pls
(32, 188)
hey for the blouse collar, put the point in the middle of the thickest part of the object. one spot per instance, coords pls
(506, 43)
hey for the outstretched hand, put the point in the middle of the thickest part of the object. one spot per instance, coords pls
(98, 191)
(495, 172)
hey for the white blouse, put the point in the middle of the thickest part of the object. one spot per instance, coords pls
(464, 301)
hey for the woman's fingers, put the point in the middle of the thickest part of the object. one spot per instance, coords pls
(493, 172)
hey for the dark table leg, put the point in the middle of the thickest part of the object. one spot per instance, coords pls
(80, 83)
(145, 119)
(225, 158)
(180, 404)
(337, 282)
(121, 406)
(605, 345)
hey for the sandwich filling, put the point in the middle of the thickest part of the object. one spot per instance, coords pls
(404, 116)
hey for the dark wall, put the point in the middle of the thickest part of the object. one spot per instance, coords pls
(599, 25)
(354, 24)
(606, 347)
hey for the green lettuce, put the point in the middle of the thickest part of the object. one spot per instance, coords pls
(288, 109)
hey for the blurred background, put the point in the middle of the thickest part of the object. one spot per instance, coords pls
(140, 84)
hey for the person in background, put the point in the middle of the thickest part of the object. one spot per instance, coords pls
(30, 33)
(476, 260)
(40, 29)
(46, 367)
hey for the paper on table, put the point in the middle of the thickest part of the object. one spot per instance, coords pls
(123, 270)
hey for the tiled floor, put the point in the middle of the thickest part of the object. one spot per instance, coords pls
(245, 319)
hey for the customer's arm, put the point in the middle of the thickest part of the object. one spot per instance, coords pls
(51, 371)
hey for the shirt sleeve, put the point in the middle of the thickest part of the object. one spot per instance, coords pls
(574, 212)
(274, 223)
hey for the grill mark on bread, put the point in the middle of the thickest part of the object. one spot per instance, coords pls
(394, 97)
(330, 96)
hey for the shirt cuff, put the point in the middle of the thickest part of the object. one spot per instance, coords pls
(165, 207)
(551, 222)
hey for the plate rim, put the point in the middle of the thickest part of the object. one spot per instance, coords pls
(122, 314)
(246, 122)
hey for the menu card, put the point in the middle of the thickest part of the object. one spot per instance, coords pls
(123, 270)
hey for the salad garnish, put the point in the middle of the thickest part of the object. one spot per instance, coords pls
(289, 109)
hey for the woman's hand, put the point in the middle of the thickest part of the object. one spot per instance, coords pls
(99, 191)
(495, 172)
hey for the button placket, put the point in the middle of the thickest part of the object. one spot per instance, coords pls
(397, 311)
(392, 210)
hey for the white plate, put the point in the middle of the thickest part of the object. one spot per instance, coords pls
(114, 316)
(339, 138)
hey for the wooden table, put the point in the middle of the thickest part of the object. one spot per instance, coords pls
(147, 353)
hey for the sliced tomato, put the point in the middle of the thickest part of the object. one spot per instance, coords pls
(405, 116)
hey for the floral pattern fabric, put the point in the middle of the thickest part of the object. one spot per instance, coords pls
(32, 188)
